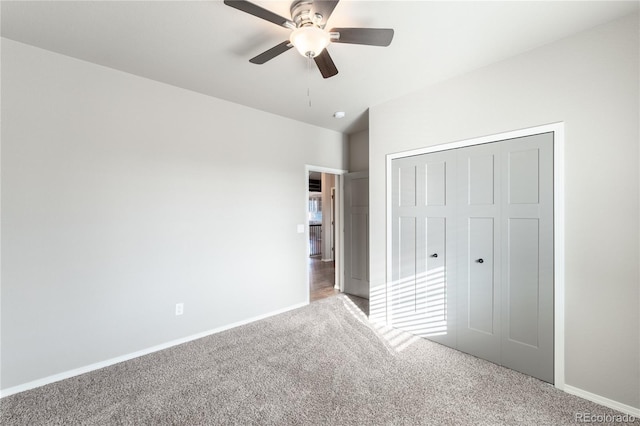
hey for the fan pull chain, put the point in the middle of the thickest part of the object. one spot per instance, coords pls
(309, 80)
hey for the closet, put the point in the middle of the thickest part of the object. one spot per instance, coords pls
(472, 250)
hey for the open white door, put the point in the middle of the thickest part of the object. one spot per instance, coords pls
(356, 234)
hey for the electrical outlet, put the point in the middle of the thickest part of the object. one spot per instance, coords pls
(179, 308)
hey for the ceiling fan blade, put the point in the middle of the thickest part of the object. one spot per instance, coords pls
(368, 36)
(255, 10)
(325, 64)
(324, 8)
(271, 53)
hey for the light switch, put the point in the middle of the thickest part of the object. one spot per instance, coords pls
(300, 229)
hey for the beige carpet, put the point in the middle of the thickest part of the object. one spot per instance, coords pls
(323, 364)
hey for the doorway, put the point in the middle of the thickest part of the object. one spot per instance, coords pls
(324, 232)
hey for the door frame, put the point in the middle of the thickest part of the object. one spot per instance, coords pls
(333, 220)
(558, 223)
(338, 226)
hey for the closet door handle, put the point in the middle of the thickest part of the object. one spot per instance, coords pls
(434, 255)
(481, 260)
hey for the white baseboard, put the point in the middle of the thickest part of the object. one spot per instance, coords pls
(98, 365)
(327, 260)
(627, 409)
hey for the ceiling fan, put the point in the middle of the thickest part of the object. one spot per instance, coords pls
(308, 34)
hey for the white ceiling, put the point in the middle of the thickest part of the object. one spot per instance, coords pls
(205, 46)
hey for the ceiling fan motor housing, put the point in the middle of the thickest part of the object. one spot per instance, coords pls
(302, 14)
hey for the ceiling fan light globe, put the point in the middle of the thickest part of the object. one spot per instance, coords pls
(310, 41)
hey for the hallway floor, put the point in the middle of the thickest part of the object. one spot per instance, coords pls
(321, 279)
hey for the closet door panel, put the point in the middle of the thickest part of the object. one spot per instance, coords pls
(440, 245)
(478, 274)
(480, 306)
(527, 256)
(523, 176)
(480, 184)
(418, 296)
(522, 283)
(401, 291)
(435, 183)
(406, 182)
(403, 301)
(436, 297)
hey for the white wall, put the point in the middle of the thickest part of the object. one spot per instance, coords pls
(590, 82)
(122, 196)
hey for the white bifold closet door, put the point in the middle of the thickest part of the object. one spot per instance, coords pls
(472, 251)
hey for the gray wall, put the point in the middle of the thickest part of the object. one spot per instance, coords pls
(590, 82)
(359, 151)
(123, 196)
